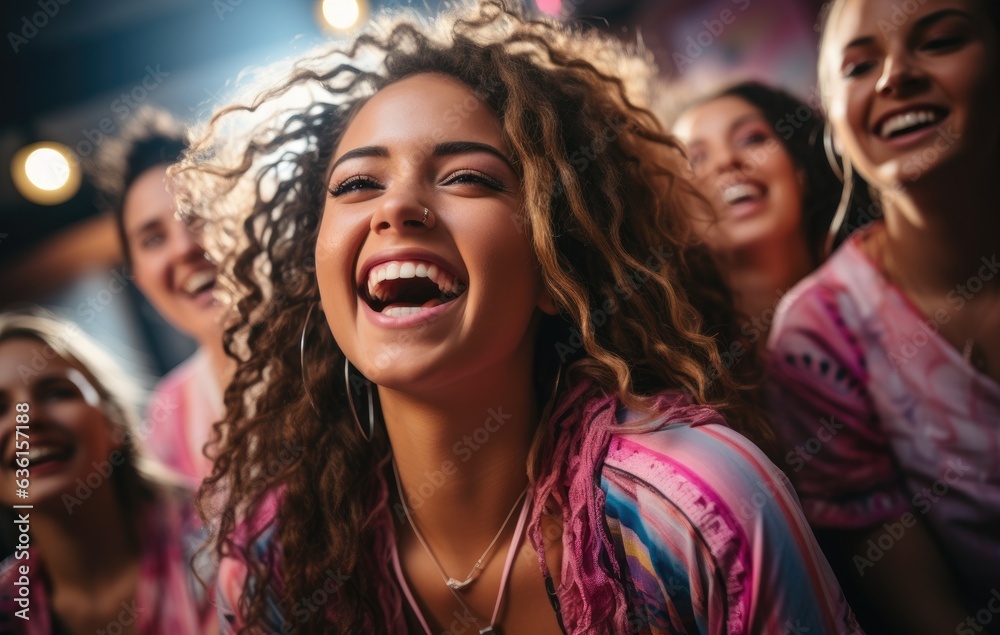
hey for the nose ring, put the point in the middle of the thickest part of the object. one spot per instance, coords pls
(423, 221)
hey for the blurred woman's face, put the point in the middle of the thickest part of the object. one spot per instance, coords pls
(741, 166)
(67, 437)
(921, 94)
(168, 263)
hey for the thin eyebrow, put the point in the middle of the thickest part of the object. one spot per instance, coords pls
(145, 227)
(463, 147)
(448, 148)
(358, 153)
(742, 120)
(937, 16)
(864, 40)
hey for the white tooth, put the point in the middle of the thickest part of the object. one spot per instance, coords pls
(421, 270)
(392, 271)
(197, 280)
(432, 272)
(735, 192)
(907, 120)
(381, 274)
(401, 311)
(407, 270)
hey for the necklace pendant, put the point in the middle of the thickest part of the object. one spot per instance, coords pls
(459, 585)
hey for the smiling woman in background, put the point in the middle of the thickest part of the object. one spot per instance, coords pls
(170, 267)
(757, 155)
(885, 363)
(112, 536)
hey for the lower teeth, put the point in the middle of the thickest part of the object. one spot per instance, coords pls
(400, 311)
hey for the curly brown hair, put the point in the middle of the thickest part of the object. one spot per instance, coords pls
(642, 310)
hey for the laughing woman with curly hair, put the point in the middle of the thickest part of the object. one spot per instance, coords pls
(475, 391)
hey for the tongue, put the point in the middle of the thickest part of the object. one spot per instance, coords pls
(402, 304)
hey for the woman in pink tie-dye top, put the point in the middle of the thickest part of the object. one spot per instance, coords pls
(885, 363)
(105, 537)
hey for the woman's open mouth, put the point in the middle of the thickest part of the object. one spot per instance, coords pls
(43, 453)
(398, 288)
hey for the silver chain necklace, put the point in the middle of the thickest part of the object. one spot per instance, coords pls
(453, 584)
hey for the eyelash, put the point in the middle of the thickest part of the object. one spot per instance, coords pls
(946, 42)
(754, 138)
(147, 242)
(858, 69)
(360, 181)
(353, 183)
(478, 177)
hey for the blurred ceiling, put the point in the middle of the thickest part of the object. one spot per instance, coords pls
(69, 65)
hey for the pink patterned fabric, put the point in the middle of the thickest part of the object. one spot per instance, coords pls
(675, 526)
(882, 416)
(171, 596)
(180, 415)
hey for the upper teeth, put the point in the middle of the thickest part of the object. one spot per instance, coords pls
(36, 453)
(198, 280)
(738, 191)
(907, 120)
(395, 269)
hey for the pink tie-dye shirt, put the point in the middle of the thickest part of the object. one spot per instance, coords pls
(704, 532)
(172, 596)
(882, 417)
(180, 415)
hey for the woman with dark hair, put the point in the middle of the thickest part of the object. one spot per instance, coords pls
(758, 155)
(170, 267)
(108, 535)
(509, 412)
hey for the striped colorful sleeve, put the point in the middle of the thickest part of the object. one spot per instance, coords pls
(713, 538)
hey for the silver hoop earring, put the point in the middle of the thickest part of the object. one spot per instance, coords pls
(843, 208)
(347, 384)
(350, 401)
(302, 357)
(831, 151)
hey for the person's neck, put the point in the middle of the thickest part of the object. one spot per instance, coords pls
(937, 235)
(760, 274)
(462, 457)
(93, 546)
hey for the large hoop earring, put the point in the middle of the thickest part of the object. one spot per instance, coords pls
(350, 401)
(347, 384)
(831, 151)
(302, 357)
(845, 204)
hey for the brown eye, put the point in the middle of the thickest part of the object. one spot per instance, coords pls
(857, 69)
(353, 184)
(475, 177)
(942, 43)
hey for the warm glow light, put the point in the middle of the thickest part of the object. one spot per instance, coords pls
(551, 7)
(341, 14)
(46, 173)
(47, 169)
